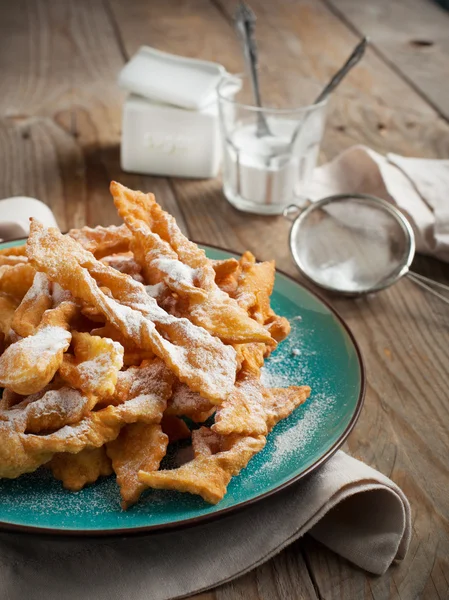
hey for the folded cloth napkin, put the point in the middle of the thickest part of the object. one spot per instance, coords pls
(351, 508)
(419, 187)
(15, 216)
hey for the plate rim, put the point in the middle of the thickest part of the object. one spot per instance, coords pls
(225, 512)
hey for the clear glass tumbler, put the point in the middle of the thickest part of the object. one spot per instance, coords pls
(265, 173)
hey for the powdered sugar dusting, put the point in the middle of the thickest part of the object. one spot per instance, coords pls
(99, 373)
(40, 287)
(34, 348)
(48, 339)
(302, 432)
(62, 406)
(155, 290)
(176, 271)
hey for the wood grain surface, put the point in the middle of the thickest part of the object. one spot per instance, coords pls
(412, 36)
(60, 119)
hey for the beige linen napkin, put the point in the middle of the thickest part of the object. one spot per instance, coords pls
(419, 187)
(351, 508)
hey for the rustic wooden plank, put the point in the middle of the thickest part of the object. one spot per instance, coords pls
(36, 159)
(412, 35)
(61, 109)
(284, 577)
(403, 428)
(403, 424)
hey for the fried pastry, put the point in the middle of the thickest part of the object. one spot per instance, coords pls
(103, 241)
(196, 357)
(184, 268)
(254, 287)
(175, 428)
(22, 452)
(14, 251)
(187, 403)
(253, 409)
(36, 301)
(139, 446)
(8, 307)
(94, 367)
(16, 280)
(30, 363)
(217, 460)
(117, 341)
(125, 263)
(77, 470)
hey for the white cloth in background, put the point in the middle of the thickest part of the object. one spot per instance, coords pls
(419, 187)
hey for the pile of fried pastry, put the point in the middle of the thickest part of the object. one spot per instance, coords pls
(118, 341)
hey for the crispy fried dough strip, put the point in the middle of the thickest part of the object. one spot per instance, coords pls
(151, 377)
(224, 268)
(23, 453)
(10, 399)
(250, 357)
(253, 409)
(226, 274)
(193, 279)
(197, 358)
(36, 301)
(8, 306)
(13, 251)
(30, 363)
(175, 428)
(95, 366)
(77, 470)
(102, 241)
(16, 280)
(133, 356)
(283, 402)
(187, 403)
(12, 260)
(254, 287)
(244, 411)
(217, 460)
(279, 327)
(255, 284)
(125, 263)
(138, 446)
(48, 411)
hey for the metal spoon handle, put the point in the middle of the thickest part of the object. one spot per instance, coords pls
(355, 57)
(426, 283)
(245, 21)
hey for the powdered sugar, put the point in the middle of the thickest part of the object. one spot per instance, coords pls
(185, 401)
(98, 375)
(36, 348)
(154, 291)
(176, 271)
(51, 339)
(40, 287)
(54, 408)
(59, 295)
(302, 432)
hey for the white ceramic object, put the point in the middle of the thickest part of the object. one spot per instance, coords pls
(159, 139)
(170, 120)
(185, 82)
(15, 216)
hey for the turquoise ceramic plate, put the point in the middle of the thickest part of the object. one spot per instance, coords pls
(320, 352)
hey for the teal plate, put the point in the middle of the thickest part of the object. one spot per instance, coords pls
(320, 352)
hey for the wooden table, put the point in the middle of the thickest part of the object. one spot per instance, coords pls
(59, 141)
